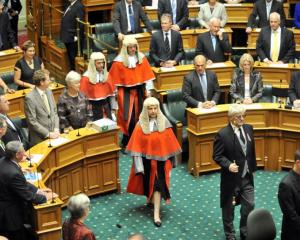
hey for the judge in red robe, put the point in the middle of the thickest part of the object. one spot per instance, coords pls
(99, 88)
(153, 147)
(133, 76)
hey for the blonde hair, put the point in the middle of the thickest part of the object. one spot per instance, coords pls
(27, 44)
(246, 57)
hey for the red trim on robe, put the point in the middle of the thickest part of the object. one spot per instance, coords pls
(97, 91)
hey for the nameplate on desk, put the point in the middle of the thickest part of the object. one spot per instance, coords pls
(253, 106)
(57, 141)
(216, 65)
(167, 69)
(232, 4)
(279, 65)
(150, 8)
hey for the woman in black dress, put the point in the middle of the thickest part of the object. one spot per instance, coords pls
(26, 66)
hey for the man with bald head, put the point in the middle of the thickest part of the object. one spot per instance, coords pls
(200, 87)
(214, 43)
(275, 44)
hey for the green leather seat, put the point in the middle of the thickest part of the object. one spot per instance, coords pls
(189, 55)
(8, 78)
(194, 23)
(173, 107)
(267, 95)
(155, 24)
(21, 124)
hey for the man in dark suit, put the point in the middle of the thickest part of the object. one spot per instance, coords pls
(127, 16)
(262, 9)
(213, 44)
(3, 129)
(13, 132)
(40, 110)
(16, 194)
(13, 8)
(179, 11)
(200, 87)
(7, 37)
(234, 151)
(166, 47)
(274, 43)
(294, 89)
(289, 201)
(68, 27)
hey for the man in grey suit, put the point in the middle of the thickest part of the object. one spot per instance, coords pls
(127, 16)
(200, 87)
(274, 43)
(40, 110)
(166, 47)
(213, 44)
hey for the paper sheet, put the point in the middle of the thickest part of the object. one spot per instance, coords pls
(58, 141)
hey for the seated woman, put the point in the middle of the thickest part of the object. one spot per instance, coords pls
(74, 228)
(26, 66)
(246, 86)
(73, 107)
(5, 88)
(212, 9)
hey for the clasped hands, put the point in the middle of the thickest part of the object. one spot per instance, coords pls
(233, 167)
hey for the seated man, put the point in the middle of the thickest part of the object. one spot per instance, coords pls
(214, 43)
(16, 193)
(262, 10)
(126, 18)
(166, 47)
(294, 89)
(274, 43)
(177, 9)
(200, 87)
(13, 132)
(40, 110)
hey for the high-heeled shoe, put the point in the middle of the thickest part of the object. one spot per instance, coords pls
(157, 223)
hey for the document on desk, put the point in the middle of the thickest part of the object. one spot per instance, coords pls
(208, 110)
(2, 53)
(279, 65)
(232, 4)
(253, 106)
(33, 176)
(167, 69)
(215, 65)
(36, 158)
(58, 141)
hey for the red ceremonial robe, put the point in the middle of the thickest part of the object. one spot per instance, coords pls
(156, 146)
(130, 78)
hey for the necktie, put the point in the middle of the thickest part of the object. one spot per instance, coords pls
(204, 86)
(242, 136)
(45, 99)
(174, 9)
(131, 18)
(167, 44)
(214, 42)
(275, 47)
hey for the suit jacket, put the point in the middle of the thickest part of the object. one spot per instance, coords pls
(237, 88)
(205, 14)
(182, 11)
(205, 47)
(227, 149)
(294, 88)
(7, 34)
(287, 45)
(15, 195)
(39, 121)
(158, 50)
(260, 10)
(15, 5)
(192, 92)
(289, 201)
(69, 23)
(120, 22)
(12, 133)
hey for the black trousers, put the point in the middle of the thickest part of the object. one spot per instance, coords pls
(14, 26)
(71, 51)
(246, 196)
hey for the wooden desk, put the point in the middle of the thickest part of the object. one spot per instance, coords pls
(272, 74)
(8, 59)
(152, 12)
(252, 38)
(168, 80)
(189, 38)
(88, 163)
(16, 100)
(276, 134)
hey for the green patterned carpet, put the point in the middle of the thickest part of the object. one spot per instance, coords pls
(194, 211)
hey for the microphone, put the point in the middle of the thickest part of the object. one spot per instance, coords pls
(78, 133)
(258, 59)
(37, 176)
(23, 93)
(49, 126)
(29, 157)
(295, 62)
(280, 82)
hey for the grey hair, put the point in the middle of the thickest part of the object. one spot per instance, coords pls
(12, 148)
(236, 109)
(166, 16)
(275, 14)
(72, 77)
(78, 205)
(213, 19)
